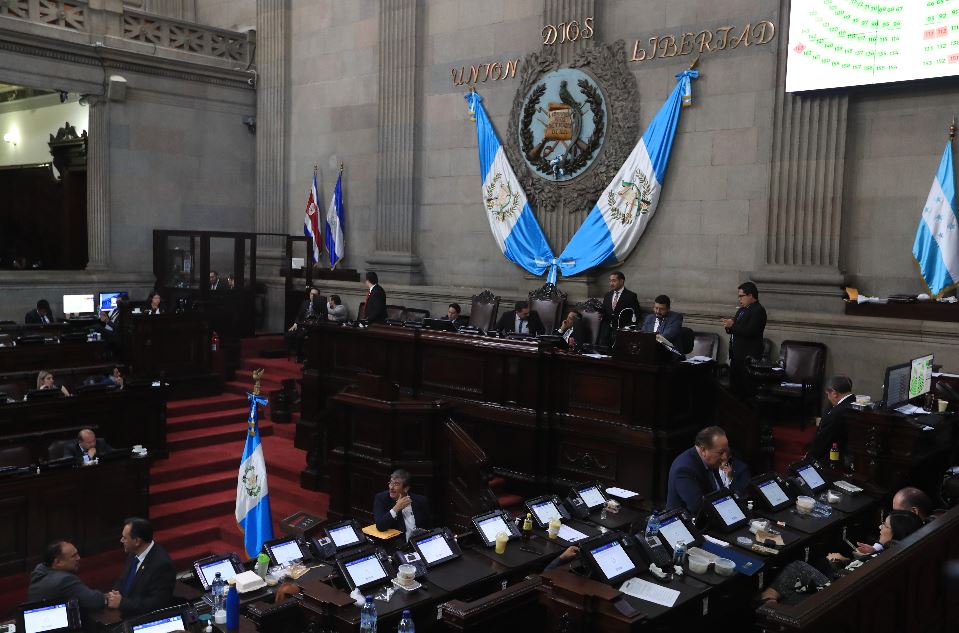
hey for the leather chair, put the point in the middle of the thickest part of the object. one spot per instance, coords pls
(361, 311)
(687, 338)
(804, 365)
(395, 313)
(16, 456)
(767, 350)
(705, 344)
(13, 390)
(592, 311)
(483, 310)
(55, 450)
(6, 340)
(548, 303)
(416, 315)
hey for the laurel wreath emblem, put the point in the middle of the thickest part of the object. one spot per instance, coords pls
(501, 203)
(633, 196)
(251, 481)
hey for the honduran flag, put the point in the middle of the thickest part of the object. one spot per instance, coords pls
(936, 248)
(612, 229)
(514, 227)
(335, 241)
(311, 223)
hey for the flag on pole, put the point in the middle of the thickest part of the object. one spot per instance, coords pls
(936, 249)
(252, 494)
(311, 222)
(612, 229)
(335, 242)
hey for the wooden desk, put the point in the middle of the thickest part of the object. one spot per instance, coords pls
(85, 505)
(53, 356)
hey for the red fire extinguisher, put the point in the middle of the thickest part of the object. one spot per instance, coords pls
(215, 342)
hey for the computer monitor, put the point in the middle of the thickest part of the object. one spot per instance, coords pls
(78, 304)
(443, 325)
(920, 376)
(162, 621)
(895, 389)
(108, 300)
(49, 617)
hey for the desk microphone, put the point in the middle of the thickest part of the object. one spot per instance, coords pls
(619, 319)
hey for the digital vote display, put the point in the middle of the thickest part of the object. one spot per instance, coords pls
(166, 625)
(365, 571)
(435, 549)
(545, 511)
(592, 496)
(492, 526)
(728, 510)
(344, 536)
(774, 493)
(674, 530)
(811, 477)
(612, 560)
(286, 552)
(50, 618)
(223, 566)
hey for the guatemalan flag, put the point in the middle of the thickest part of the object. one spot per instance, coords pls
(936, 248)
(515, 229)
(611, 230)
(335, 243)
(252, 493)
(311, 222)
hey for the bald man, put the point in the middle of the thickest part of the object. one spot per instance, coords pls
(56, 579)
(909, 499)
(88, 447)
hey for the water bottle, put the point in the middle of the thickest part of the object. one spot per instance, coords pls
(216, 592)
(652, 525)
(232, 608)
(406, 623)
(262, 565)
(679, 554)
(368, 616)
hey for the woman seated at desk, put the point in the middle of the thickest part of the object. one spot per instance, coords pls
(46, 380)
(799, 577)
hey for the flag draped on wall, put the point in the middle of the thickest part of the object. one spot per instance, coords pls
(252, 494)
(936, 248)
(311, 222)
(514, 227)
(612, 229)
(335, 242)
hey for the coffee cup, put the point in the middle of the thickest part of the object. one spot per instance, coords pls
(804, 505)
(405, 575)
(943, 405)
(501, 540)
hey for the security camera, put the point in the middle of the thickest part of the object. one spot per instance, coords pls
(250, 122)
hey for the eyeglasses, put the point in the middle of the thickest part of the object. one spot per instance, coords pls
(741, 295)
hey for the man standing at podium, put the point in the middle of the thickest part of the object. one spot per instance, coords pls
(397, 508)
(616, 300)
(745, 336)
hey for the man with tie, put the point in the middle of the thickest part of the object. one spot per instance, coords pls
(571, 329)
(375, 299)
(214, 280)
(616, 300)
(41, 315)
(148, 575)
(521, 321)
(311, 310)
(745, 336)
(664, 321)
(702, 469)
(398, 508)
(832, 426)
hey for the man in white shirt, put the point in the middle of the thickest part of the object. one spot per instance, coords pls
(397, 508)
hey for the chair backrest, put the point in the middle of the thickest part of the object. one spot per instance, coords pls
(803, 361)
(16, 456)
(6, 339)
(13, 390)
(483, 309)
(395, 313)
(417, 315)
(687, 339)
(361, 311)
(55, 450)
(706, 344)
(592, 311)
(767, 350)
(548, 302)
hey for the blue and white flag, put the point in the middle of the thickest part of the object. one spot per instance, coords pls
(311, 222)
(936, 248)
(612, 229)
(335, 242)
(252, 493)
(515, 229)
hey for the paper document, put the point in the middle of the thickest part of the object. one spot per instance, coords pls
(570, 535)
(939, 374)
(791, 385)
(595, 355)
(622, 493)
(699, 359)
(909, 409)
(645, 590)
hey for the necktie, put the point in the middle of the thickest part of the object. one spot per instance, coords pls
(131, 574)
(615, 299)
(719, 482)
(309, 310)
(658, 324)
(522, 326)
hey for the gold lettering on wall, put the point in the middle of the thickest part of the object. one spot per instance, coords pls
(567, 31)
(481, 73)
(724, 38)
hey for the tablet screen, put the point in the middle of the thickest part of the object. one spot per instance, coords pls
(344, 535)
(729, 510)
(435, 548)
(674, 531)
(224, 566)
(545, 511)
(286, 552)
(773, 492)
(364, 571)
(612, 559)
(812, 478)
(592, 497)
(570, 535)
(166, 625)
(493, 526)
(46, 618)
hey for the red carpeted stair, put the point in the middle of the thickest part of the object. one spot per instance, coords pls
(790, 442)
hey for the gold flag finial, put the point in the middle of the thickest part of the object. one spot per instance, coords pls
(695, 63)
(257, 374)
(952, 129)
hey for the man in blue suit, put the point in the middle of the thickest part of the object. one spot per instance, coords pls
(702, 469)
(398, 508)
(664, 321)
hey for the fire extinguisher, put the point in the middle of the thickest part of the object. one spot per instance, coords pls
(215, 342)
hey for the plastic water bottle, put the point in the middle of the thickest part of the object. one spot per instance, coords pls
(652, 525)
(406, 623)
(368, 616)
(216, 592)
(679, 554)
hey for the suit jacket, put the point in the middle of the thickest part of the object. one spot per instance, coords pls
(578, 333)
(74, 451)
(319, 310)
(747, 333)
(54, 584)
(507, 323)
(610, 320)
(671, 327)
(383, 503)
(33, 318)
(832, 428)
(337, 313)
(152, 587)
(376, 305)
(460, 321)
(689, 480)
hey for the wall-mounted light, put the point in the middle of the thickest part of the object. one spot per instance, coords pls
(12, 136)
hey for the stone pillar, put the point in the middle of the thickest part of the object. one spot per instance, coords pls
(394, 258)
(98, 184)
(176, 9)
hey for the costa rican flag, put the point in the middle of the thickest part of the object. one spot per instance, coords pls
(311, 222)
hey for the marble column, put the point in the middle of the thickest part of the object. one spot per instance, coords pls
(394, 257)
(98, 184)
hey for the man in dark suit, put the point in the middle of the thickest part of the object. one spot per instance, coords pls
(453, 313)
(312, 310)
(832, 427)
(88, 447)
(745, 336)
(56, 579)
(521, 321)
(572, 330)
(399, 509)
(42, 314)
(148, 575)
(702, 469)
(375, 299)
(616, 300)
(214, 280)
(664, 321)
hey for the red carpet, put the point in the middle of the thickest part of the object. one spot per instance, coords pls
(193, 492)
(790, 443)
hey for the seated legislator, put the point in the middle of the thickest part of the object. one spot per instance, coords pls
(664, 321)
(521, 321)
(155, 306)
(335, 310)
(571, 329)
(46, 380)
(832, 427)
(41, 315)
(908, 499)
(702, 469)
(375, 299)
(454, 313)
(311, 311)
(398, 508)
(148, 575)
(88, 447)
(56, 579)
